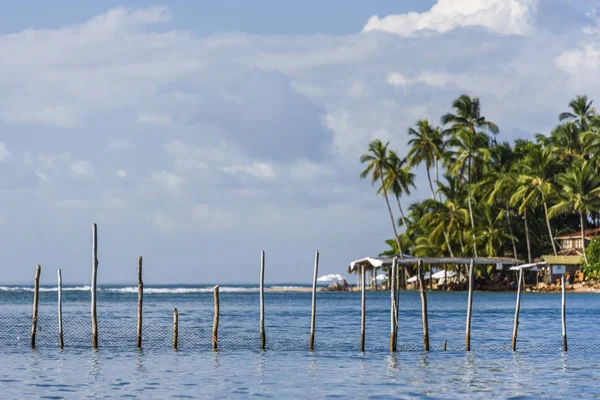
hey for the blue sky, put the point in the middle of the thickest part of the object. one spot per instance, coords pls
(197, 134)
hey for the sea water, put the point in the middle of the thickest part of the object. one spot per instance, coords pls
(287, 369)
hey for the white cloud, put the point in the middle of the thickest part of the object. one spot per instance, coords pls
(169, 180)
(507, 17)
(4, 153)
(121, 174)
(81, 169)
(257, 169)
(61, 167)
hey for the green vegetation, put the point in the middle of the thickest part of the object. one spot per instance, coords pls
(490, 198)
(591, 269)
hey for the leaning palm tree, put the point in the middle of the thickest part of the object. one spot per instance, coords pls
(464, 126)
(425, 148)
(580, 186)
(377, 165)
(398, 180)
(536, 177)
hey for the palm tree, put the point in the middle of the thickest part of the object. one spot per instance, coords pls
(398, 179)
(500, 182)
(536, 174)
(464, 125)
(377, 165)
(492, 232)
(581, 112)
(580, 192)
(425, 148)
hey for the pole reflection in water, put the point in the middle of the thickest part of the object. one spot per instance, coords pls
(216, 360)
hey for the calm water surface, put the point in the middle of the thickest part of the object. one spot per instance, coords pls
(540, 369)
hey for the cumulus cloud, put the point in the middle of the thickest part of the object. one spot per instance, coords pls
(121, 174)
(507, 17)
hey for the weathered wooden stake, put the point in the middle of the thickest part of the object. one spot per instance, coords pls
(363, 311)
(34, 317)
(60, 318)
(140, 303)
(563, 313)
(175, 328)
(393, 308)
(262, 301)
(93, 286)
(423, 305)
(445, 344)
(517, 309)
(311, 344)
(470, 305)
(215, 331)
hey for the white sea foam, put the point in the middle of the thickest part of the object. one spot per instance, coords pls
(43, 289)
(134, 289)
(287, 287)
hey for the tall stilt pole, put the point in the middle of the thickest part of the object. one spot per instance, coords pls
(140, 303)
(215, 331)
(262, 301)
(423, 305)
(517, 309)
(563, 313)
(36, 292)
(60, 318)
(175, 329)
(311, 344)
(469, 305)
(363, 311)
(93, 286)
(393, 308)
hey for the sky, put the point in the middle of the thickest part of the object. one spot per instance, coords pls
(197, 134)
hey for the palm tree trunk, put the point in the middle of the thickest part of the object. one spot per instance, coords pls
(437, 179)
(448, 243)
(514, 245)
(404, 222)
(387, 201)
(527, 235)
(471, 207)
(430, 184)
(582, 223)
(548, 223)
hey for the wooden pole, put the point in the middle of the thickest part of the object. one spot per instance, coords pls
(363, 311)
(423, 305)
(140, 303)
(60, 318)
(517, 309)
(262, 300)
(563, 313)
(175, 328)
(445, 344)
(93, 286)
(36, 291)
(397, 296)
(215, 331)
(469, 305)
(311, 344)
(393, 309)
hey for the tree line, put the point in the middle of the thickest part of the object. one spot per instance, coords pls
(488, 198)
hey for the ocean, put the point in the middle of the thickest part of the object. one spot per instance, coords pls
(287, 369)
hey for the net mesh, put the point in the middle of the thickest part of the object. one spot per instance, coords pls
(120, 333)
